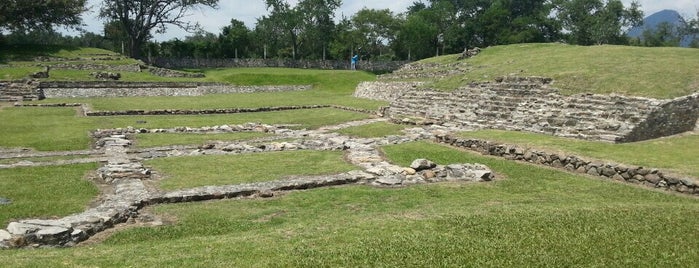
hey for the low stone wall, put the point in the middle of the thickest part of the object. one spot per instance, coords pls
(145, 89)
(97, 67)
(528, 104)
(649, 177)
(179, 63)
(384, 91)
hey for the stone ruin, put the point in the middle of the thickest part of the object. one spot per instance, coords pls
(43, 74)
(531, 104)
(468, 53)
(124, 170)
(106, 75)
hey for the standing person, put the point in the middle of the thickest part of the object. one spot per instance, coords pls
(355, 59)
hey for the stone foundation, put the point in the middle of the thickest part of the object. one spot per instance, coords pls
(145, 89)
(648, 177)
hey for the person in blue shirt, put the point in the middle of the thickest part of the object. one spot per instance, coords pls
(355, 59)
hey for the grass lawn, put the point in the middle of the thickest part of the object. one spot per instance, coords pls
(677, 153)
(45, 192)
(531, 216)
(189, 172)
(329, 88)
(375, 130)
(59, 129)
(636, 71)
(166, 139)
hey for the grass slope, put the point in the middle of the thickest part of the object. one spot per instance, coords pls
(634, 71)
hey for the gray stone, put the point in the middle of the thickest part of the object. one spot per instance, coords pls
(52, 231)
(5, 201)
(608, 171)
(17, 228)
(392, 180)
(422, 164)
(4, 235)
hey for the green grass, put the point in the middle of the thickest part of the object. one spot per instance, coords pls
(329, 88)
(46, 129)
(166, 139)
(375, 130)
(188, 172)
(635, 71)
(530, 216)
(670, 154)
(60, 129)
(45, 192)
(41, 159)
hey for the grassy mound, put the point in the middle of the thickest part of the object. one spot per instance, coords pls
(632, 71)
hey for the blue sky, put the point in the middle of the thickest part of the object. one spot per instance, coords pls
(249, 10)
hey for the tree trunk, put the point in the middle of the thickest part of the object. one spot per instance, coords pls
(135, 48)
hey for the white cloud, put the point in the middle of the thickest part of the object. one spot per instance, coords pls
(249, 10)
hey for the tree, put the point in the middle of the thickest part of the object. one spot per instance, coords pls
(284, 20)
(234, 39)
(139, 17)
(318, 25)
(591, 22)
(377, 29)
(28, 15)
(664, 35)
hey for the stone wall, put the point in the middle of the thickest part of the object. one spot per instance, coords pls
(649, 177)
(97, 67)
(138, 89)
(529, 104)
(179, 63)
(384, 91)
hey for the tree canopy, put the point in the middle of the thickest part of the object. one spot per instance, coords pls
(29, 15)
(137, 18)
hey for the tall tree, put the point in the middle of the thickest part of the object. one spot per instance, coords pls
(234, 39)
(318, 23)
(139, 17)
(286, 20)
(591, 22)
(377, 29)
(28, 15)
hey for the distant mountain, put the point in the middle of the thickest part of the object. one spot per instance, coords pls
(651, 23)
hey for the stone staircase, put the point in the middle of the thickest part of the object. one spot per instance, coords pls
(525, 104)
(13, 91)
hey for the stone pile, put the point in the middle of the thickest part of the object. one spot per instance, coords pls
(468, 53)
(624, 173)
(106, 75)
(40, 75)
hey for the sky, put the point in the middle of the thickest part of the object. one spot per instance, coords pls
(249, 10)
